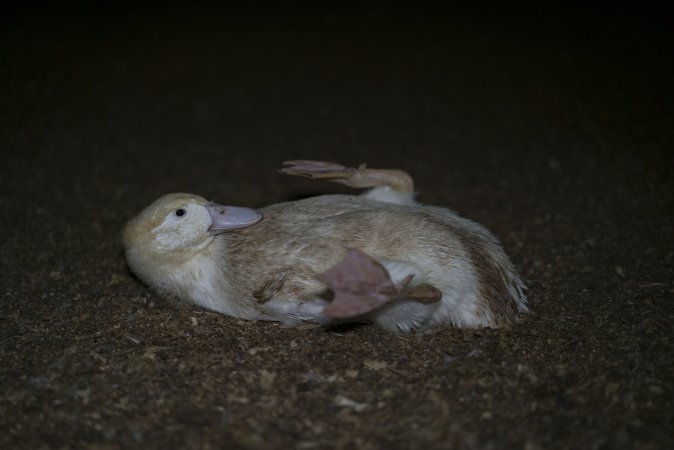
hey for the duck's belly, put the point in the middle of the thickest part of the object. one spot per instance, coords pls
(298, 240)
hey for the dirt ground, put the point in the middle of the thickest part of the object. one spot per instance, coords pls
(552, 128)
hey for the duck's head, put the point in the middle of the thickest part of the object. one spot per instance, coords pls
(176, 227)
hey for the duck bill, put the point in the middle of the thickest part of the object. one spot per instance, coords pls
(231, 217)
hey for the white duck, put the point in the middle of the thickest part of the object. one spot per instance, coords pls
(379, 257)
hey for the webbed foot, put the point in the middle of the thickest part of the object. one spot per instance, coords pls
(361, 285)
(360, 177)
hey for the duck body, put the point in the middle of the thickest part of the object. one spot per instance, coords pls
(271, 269)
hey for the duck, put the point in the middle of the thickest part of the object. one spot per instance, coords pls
(377, 257)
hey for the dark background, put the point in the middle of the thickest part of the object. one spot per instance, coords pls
(550, 125)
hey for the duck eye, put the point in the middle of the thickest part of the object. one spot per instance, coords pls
(180, 212)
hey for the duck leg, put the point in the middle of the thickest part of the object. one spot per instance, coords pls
(361, 285)
(360, 177)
